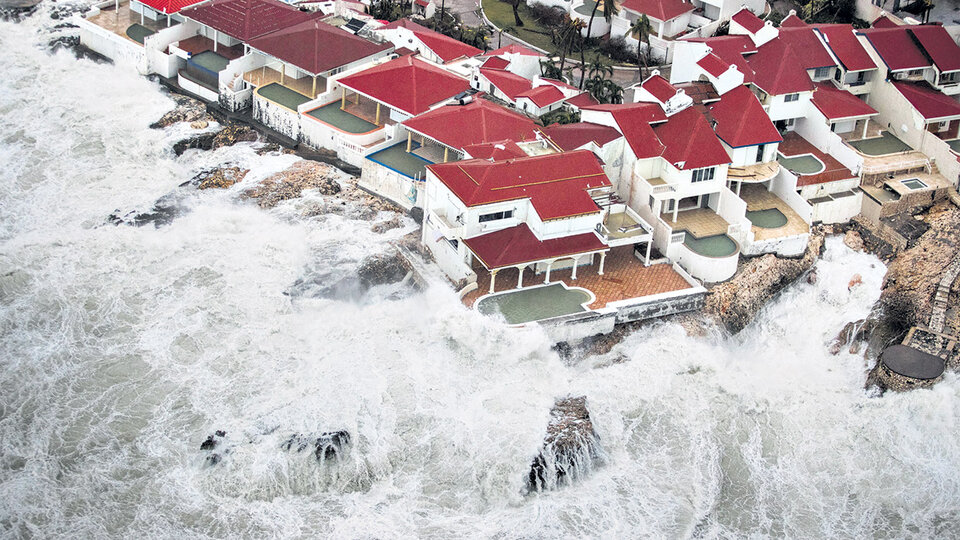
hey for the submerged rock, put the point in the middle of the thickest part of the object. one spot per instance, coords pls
(382, 269)
(187, 110)
(163, 212)
(227, 136)
(571, 448)
(14, 10)
(853, 240)
(735, 302)
(330, 445)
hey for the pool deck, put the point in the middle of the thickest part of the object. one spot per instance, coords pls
(885, 144)
(758, 198)
(331, 114)
(118, 20)
(700, 222)
(794, 145)
(624, 277)
(282, 95)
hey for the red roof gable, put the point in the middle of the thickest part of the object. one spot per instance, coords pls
(407, 83)
(518, 245)
(928, 101)
(659, 88)
(776, 70)
(477, 122)
(247, 19)
(316, 47)
(662, 10)
(713, 65)
(495, 62)
(634, 122)
(544, 95)
(496, 151)
(806, 46)
(883, 21)
(572, 136)
(447, 48)
(514, 49)
(169, 6)
(842, 40)
(896, 48)
(731, 49)
(556, 184)
(509, 83)
(748, 20)
(690, 142)
(741, 120)
(583, 99)
(792, 21)
(837, 104)
(938, 45)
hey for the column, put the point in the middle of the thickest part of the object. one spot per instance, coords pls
(576, 261)
(647, 261)
(603, 258)
(116, 5)
(676, 209)
(446, 150)
(168, 21)
(493, 279)
(739, 185)
(343, 98)
(409, 141)
(866, 124)
(283, 72)
(215, 40)
(377, 119)
(549, 267)
(142, 8)
(520, 277)
(313, 92)
(356, 99)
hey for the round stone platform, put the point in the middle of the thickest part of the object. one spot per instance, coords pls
(903, 368)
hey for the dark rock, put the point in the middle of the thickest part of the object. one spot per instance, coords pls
(220, 433)
(290, 183)
(417, 214)
(296, 441)
(187, 110)
(219, 177)
(163, 212)
(16, 10)
(331, 445)
(210, 443)
(571, 448)
(812, 277)
(382, 269)
(213, 459)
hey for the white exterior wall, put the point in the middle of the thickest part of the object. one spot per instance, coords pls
(160, 62)
(743, 156)
(276, 116)
(117, 48)
(524, 65)
(816, 131)
(778, 109)
(708, 269)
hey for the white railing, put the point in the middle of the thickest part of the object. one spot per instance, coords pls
(678, 237)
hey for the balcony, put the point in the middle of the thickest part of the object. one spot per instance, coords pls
(754, 174)
(658, 185)
(622, 226)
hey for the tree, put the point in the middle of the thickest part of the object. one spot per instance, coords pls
(515, 4)
(506, 29)
(641, 30)
(597, 67)
(568, 37)
(550, 71)
(609, 10)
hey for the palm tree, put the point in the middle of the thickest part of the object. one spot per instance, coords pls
(599, 68)
(609, 10)
(614, 92)
(481, 37)
(569, 36)
(641, 30)
(506, 29)
(516, 13)
(550, 71)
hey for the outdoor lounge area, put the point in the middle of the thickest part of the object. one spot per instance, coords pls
(398, 159)
(264, 76)
(125, 22)
(883, 145)
(340, 119)
(701, 222)
(624, 277)
(198, 44)
(794, 145)
(278, 93)
(771, 217)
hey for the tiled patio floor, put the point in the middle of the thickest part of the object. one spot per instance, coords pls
(624, 277)
(199, 44)
(758, 198)
(701, 222)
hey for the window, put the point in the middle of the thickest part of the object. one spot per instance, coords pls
(703, 175)
(495, 216)
(945, 125)
(760, 153)
(791, 97)
(821, 72)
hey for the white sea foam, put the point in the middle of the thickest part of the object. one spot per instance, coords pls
(123, 347)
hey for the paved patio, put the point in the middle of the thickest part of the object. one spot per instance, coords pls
(759, 172)
(758, 198)
(700, 222)
(119, 20)
(624, 277)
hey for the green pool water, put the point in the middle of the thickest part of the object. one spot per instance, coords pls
(586, 8)
(955, 145)
(210, 60)
(283, 95)
(718, 245)
(805, 164)
(771, 218)
(138, 32)
(342, 120)
(397, 158)
(535, 304)
(914, 183)
(885, 144)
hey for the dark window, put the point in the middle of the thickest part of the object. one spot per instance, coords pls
(760, 153)
(791, 97)
(702, 175)
(495, 216)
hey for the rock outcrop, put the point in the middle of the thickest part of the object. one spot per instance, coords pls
(329, 446)
(186, 110)
(227, 136)
(219, 177)
(570, 449)
(381, 269)
(734, 303)
(14, 10)
(290, 183)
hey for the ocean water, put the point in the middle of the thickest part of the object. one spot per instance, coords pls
(122, 348)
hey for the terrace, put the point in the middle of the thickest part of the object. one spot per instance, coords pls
(624, 277)
(759, 172)
(122, 21)
(199, 44)
(307, 86)
(700, 222)
(397, 158)
(827, 169)
(770, 215)
(282, 95)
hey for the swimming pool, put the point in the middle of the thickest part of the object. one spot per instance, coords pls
(803, 164)
(536, 303)
(718, 245)
(914, 183)
(210, 60)
(770, 218)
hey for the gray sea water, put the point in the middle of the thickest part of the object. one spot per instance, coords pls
(121, 348)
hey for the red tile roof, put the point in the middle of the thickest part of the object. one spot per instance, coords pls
(776, 71)
(556, 184)
(583, 99)
(509, 83)
(659, 87)
(731, 49)
(480, 121)
(518, 245)
(169, 6)
(741, 120)
(447, 48)
(838, 104)
(634, 122)
(690, 142)
(408, 84)
(662, 10)
(748, 20)
(883, 21)
(806, 46)
(572, 136)
(495, 62)
(842, 40)
(542, 96)
(928, 101)
(247, 19)
(792, 21)
(896, 48)
(496, 151)
(514, 49)
(713, 65)
(939, 46)
(317, 47)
